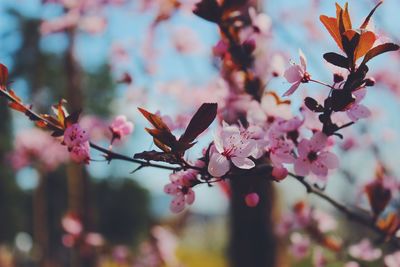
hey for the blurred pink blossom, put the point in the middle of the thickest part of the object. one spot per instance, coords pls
(365, 251)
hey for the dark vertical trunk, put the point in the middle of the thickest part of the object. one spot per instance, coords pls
(252, 239)
(78, 180)
(40, 221)
(253, 243)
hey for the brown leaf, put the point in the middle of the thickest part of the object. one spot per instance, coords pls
(378, 196)
(380, 49)
(157, 156)
(367, 19)
(201, 120)
(337, 60)
(3, 77)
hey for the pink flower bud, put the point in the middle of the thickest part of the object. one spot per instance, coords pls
(252, 200)
(279, 173)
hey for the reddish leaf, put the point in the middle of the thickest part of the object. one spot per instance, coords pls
(380, 49)
(155, 120)
(162, 136)
(201, 120)
(378, 196)
(367, 40)
(3, 76)
(366, 21)
(17, 105)
(331, 25)
(389, 224)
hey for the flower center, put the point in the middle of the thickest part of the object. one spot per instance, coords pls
(312, 156)
(306, 77)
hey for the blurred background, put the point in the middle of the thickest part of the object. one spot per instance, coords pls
(116, 57)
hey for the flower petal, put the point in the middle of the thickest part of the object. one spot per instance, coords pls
(292, 89)
(243, 163)
(329, 159)
(294, 74)
(190, 196)
(218, 165)
(318, 168)
(318, 141)
(302, 166)
(357, 112)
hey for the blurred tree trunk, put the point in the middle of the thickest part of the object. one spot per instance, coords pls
(41, 221)
(9, 192)
(78, 180)
(252, 239)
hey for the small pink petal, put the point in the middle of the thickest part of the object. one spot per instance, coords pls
(243, 163)
(292, 89)
(190, 197)
(219, 165)
(358, 111)
(294, 74)
(302, 166)
(329, 159)
(252, 200)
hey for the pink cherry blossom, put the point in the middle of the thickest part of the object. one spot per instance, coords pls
(352, 264)
(72, 224)
(36, 147)
(365, 251)
(358, 111)
(392, 260)
(280, 149)
(252, 199)
(297, 74)
(300, 245)
(181, 188)
(121, 127)
(74, 135)
(77, 141)
(80, 153)
(319, 259)
(312, 156)
(261, 22)
(230, 146)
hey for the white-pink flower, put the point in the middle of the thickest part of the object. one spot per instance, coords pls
(392, 260)
(313, 158)
(121, 127)
(297, 74)
(300, 245)
(365, 251)
(181, 188)
(358, 111)
(230, 146)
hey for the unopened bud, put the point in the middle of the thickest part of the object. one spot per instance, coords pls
(249, 46)
(252, 200)
(337, 78)
(369, 81)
